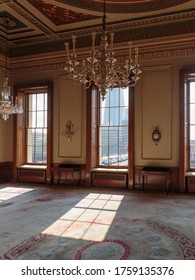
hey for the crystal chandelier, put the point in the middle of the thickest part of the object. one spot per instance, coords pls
(101, 67)
(8, 105)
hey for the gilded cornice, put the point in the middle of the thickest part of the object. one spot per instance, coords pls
(184, 49)
(146, 53)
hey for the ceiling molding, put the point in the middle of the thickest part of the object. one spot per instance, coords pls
(44, 26)
(57, 61)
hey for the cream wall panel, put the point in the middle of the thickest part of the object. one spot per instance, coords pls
(6, 145)
(69, 110)
(157, 111)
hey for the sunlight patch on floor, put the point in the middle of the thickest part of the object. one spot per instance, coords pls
(89, 219)
(10, 192)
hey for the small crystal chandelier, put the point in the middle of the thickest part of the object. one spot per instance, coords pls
(8, 105)
(101, 68)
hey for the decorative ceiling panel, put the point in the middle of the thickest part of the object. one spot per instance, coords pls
(131, 6)
(59, 15)
(43, 26)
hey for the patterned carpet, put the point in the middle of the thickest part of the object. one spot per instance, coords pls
(50, 224)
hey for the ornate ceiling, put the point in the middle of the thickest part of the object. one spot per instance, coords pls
(44, 26)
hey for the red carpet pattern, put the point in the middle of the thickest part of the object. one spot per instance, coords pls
(96, 250)
(99, 249)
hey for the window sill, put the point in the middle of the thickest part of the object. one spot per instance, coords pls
(190, 174)
(110, 170)
(28, 166)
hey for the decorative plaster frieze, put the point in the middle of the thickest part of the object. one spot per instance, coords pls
(146, 53)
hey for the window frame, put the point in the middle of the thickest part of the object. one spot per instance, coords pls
(184, 152)
(19, 131)
(44, 91)
(92, 135)
(111, 126)
(187, 121)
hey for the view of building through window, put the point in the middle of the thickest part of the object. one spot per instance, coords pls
(192, 124)
(37, 128)
(113, 128)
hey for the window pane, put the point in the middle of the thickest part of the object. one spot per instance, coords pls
(105, 113)
(192, 92)
(30, 144)
(33, 102)
(31, 137)
(36, 134)
(114, 116)
(45, 119)
(192, 154)
(102, 113)
(38, 145)
(104, 159)
(103, 136)
(45, 140)
(29, 119)
(192, 132)
(40, 119)
(32, 119)
(40, 102)
(113, 136)
(192, 113)
(45, 95)
(124, 97)
(114, 97)
(123, 116)
(107, 100)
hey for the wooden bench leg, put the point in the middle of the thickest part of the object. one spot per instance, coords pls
(139, 183)
(143, 182)
(168, 184)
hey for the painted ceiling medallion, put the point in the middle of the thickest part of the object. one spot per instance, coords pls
(131, 6)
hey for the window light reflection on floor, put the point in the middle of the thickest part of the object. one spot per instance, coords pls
(10, 192)
(90, 219)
